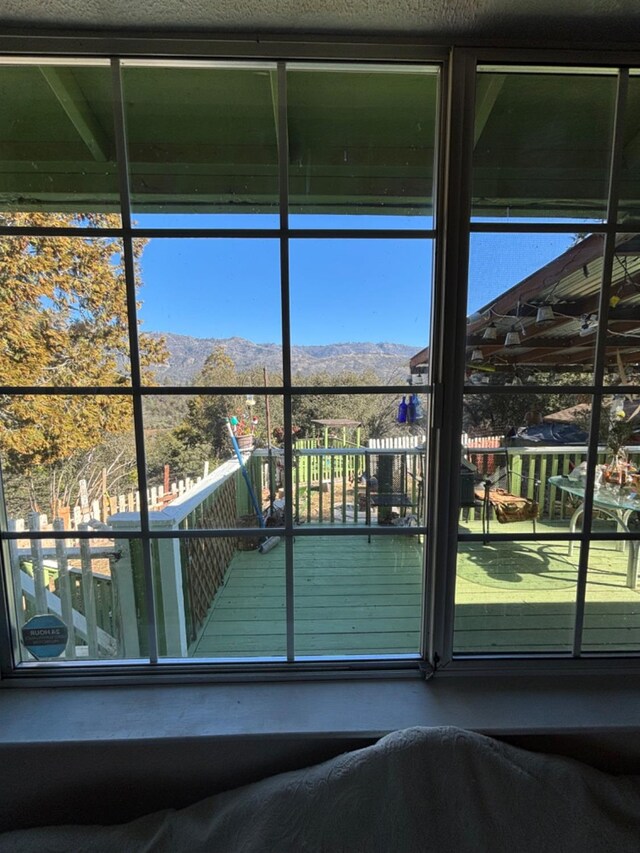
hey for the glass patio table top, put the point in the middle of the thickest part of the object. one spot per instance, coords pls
(604, 497)
(617, 503)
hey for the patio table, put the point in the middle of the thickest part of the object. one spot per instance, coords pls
(612, 502)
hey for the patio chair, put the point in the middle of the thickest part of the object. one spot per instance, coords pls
(507, 506)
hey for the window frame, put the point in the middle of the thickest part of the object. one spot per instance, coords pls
(451, 232)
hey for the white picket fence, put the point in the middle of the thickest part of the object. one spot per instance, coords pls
(400, 442)
(60, 576)
(96, 510)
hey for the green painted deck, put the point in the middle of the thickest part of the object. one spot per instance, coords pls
(358, 598)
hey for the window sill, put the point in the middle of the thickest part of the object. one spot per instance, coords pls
(498, 705)
(108, 754)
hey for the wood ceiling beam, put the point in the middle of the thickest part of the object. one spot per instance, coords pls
(488, 88)
(632, 150)
(273, 86)
(65, 87)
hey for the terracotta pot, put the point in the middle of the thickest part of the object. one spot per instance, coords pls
(245, 442)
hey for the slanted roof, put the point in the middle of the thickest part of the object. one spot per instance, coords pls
(205, 140)
(568, 416)
(573, 413)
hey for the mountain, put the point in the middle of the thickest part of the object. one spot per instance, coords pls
(187, 356)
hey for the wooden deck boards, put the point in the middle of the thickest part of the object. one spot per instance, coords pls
(357, 598)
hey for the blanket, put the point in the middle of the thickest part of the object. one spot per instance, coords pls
(421, 789)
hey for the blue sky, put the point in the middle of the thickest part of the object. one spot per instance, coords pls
(498, 261)
(341, 290)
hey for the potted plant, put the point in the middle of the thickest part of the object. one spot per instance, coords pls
(620, 431)
(244, 428)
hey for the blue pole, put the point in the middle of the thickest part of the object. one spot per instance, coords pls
(247, 480)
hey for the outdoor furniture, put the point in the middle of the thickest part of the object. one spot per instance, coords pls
(611, 502)
(507, 506)
(388, 487)
(388, 483)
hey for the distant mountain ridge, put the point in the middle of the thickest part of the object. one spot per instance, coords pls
(187, 356)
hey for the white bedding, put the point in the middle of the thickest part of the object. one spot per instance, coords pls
(440, 789)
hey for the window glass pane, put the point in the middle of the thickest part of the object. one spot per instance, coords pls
(542, 145)
(357, 595)
(515, 597)
(622, 354)
(618, 440)
(219, 598)
(527, 452)
(629, 200)
(354, 463)
(612, 608)
(361, 147)
(360, 310)
(86, 597)
(64, 316)
(193, 472)
(203, 147)
(213, 307)
(67, 458)
(57, 147)
(533, 308)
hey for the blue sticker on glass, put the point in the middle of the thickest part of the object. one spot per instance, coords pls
(45, 636)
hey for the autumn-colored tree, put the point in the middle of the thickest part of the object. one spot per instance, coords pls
(63, 322)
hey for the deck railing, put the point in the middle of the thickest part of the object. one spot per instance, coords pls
(187, 572)
(328, 485)
(73, 581)
(340, 484)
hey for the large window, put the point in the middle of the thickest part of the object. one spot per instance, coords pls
(214, 277)
(307, 365)
(547, 550)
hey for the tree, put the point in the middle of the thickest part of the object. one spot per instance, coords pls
(164, 447)
(63, 322)
(376, 412)
(205, 423)
(496, 413)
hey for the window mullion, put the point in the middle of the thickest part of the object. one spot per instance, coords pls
(600, 352)
(280, 92)
(134, 349)
(447, 370)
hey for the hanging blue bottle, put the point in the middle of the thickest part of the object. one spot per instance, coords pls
(411, 410)
(417, 408)
(402, 412)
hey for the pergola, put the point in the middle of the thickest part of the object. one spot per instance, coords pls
(548, 321)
